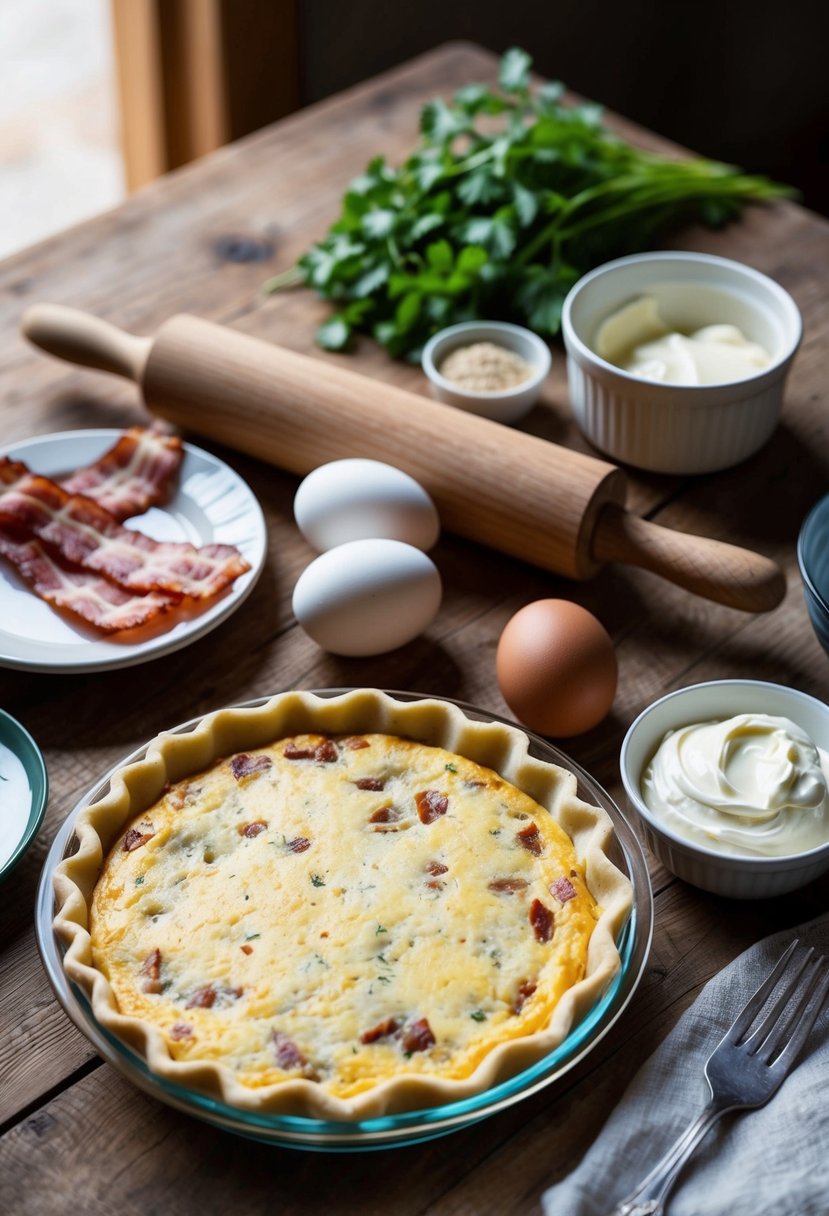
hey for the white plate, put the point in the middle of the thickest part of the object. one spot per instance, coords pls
(212, 505)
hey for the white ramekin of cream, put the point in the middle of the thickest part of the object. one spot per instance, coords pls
(676, 362)
(730, 783)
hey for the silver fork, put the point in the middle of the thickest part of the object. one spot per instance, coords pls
(745, 1070)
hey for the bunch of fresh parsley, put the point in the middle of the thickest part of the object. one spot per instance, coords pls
(509, 198)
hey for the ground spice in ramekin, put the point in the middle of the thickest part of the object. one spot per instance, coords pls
(485, 367)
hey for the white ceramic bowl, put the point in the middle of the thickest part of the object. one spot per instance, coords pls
(671, 428)
(506, 406)
(738, 877)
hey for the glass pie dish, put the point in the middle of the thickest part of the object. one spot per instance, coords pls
(389, 1129)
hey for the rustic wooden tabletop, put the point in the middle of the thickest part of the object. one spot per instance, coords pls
(76, 1136)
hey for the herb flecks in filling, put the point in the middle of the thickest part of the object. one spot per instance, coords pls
(341, 910)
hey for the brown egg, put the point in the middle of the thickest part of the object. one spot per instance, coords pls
(556, 668)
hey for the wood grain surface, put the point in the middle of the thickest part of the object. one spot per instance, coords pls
(76, 1136)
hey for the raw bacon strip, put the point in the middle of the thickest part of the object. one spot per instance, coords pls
(85, 534)
(88, 596)
(136, 473)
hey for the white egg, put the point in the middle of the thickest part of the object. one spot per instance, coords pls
(367, 596)
(355, 499)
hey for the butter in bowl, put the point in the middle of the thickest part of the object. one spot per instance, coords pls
(677, 362)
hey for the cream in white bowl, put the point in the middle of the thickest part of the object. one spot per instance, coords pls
(728, 780)
(507, 404)
(679, 428)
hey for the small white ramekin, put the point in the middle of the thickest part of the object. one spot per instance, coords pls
(506, 406)
(669, 428)
(738, 877)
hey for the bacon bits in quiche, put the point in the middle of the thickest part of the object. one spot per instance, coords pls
(344, 910)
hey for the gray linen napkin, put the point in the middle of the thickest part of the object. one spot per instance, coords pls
(769, 1162)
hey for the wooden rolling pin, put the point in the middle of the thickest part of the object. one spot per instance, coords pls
(559, 509)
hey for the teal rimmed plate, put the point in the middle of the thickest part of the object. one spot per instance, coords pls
(388, 1131)
(24, 790)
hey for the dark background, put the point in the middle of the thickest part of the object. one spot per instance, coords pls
(738, 81)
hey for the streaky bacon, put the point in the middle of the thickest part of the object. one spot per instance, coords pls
(90, 597)
(136, 473)
(133, 475)
(83, 533)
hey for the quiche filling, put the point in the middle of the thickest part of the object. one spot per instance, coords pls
(343, 910)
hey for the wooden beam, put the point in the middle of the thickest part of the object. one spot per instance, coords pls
(195, 74)
(137, 38)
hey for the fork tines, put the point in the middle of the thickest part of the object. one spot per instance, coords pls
(803, 981)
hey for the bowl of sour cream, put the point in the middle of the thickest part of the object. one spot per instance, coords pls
(729, 781)
(24, 790)
(677, 362)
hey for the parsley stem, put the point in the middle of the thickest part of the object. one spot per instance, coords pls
(292, 277)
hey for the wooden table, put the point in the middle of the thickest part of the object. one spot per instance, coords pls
(75, 1136)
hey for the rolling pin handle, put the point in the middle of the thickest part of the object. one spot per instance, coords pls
(717, 571)
(71, 334)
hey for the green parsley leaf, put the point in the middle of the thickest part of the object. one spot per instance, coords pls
(439, 255)
(478, 1015)
(441, 123)
(514, 76)
(317, 880)
(334, 334)
(508, 198)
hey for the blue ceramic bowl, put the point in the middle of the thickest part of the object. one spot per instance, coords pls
(813, 559)
(30, 785)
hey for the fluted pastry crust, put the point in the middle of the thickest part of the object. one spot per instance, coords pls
(341, 907)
